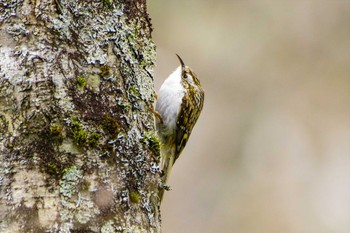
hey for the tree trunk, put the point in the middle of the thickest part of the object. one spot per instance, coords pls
(78, 150)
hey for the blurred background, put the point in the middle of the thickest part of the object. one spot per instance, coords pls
(271, 150)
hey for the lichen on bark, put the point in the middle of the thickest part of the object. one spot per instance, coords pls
(77, 145)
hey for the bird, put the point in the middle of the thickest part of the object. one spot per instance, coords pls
(179, 104)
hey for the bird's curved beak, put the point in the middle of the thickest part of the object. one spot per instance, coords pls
(181, 61)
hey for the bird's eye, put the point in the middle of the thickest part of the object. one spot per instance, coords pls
(189, 78)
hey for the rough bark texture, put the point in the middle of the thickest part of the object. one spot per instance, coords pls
(78, 151)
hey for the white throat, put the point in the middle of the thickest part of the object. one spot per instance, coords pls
(170, 98)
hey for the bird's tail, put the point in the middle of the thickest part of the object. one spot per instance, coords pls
(167, 154)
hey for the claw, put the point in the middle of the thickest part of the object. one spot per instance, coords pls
(157, 115)
(166, 187)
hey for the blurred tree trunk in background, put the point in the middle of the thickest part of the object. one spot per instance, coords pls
(78, 152)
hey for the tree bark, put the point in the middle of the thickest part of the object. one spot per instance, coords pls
(78, 149)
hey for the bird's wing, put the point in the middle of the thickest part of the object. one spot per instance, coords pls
(187, 118)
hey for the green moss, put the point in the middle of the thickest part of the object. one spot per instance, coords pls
(110, 125)
(105, 71)
(85, 185)
(134, 91)
(152, 141)
(52, 169)
(56, 131)
(93, 139)
(107, 3)
(135, 197)
(82, 137)
(81, 82)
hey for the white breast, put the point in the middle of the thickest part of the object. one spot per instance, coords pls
(170, 98)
